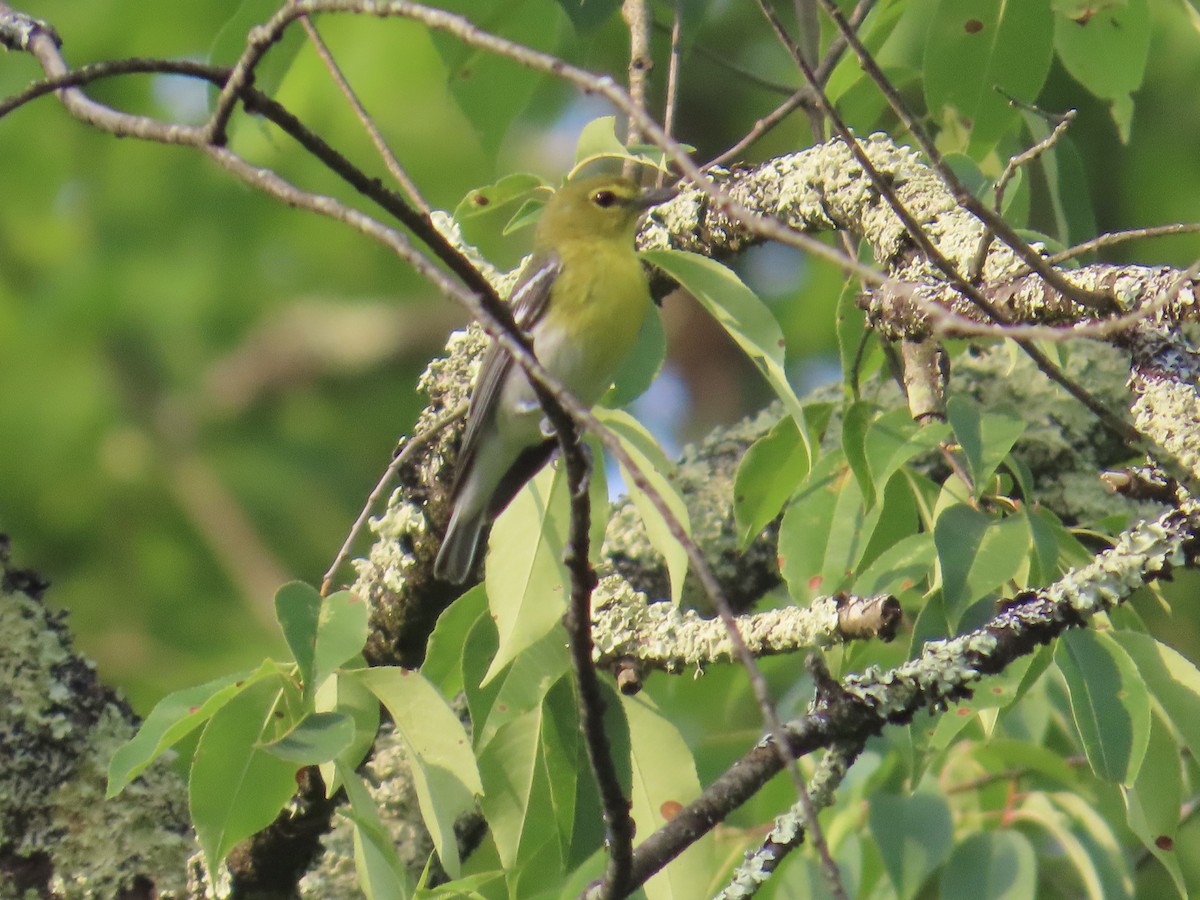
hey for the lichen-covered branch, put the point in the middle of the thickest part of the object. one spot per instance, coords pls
(944, 671)
(58, 729)
(787, 831)
(660, 636)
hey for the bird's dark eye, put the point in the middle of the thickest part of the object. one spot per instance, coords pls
(604, 199)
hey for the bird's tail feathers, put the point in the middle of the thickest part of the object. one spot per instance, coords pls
(460, 549)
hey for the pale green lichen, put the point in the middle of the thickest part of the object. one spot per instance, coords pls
(946, 667)
(627, 625)
(58, 730)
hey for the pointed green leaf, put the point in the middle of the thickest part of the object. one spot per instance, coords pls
(525, 575)
(978, 553)
(1109, 702)
(486, 200)
(510, 765)
(318, 738)
(1153, 803)
(381, 874)
(523, 685)
(893, 439)
(801, 558)
(901, 567)
(746, 318)
(173, 718)
(985, 437)
(649, 457)
(235, 788)
(644, 363)
(975, 46)
(341, 634)
(348, 697)
(297, 609)
(770, 472)
(665, 780)
(443, 656)
(1171, 678)
(438, 748)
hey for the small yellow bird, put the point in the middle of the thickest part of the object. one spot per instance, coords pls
(582, 298)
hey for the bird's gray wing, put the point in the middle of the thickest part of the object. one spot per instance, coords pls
(528, 302)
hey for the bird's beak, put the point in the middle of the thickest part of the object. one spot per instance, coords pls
(647, 199)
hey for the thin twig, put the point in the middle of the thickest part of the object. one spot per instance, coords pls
(962, 195)
(937, 258)
(800, 98)
(381, 147)
(1119, 237)
(399, 459)
(1010, 171)
(636, 14)
(672, 78)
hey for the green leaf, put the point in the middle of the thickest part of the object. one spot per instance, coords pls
(770, 472)
(490, 91)
(1094, 862)
(381, 874)
(516, 791)
(348, 697)
(914, 835)
(490, 198)
(1105, 46)
(525, 575)
(230, 43)
(893, 439)
(978, 553)
(644, 363)
(461, 888)
(443, 656)
(1153, 802)
(318, 738)
(985, 437)
(1109, 702)
(856, 422)
(991, 865)
(524, 685)
(975, 46)
(598, 140)
(173, 718)
(341, 635)
(665, 780)
(438, 750)
(801, 558)
(1171, 678)
(297, 610)
(235, 788)
(899, 568)
(746, 318)
(658, 470)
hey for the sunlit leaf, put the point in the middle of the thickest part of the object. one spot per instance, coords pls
(173, 718)
(235, 788)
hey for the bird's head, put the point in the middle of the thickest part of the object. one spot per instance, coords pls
(598, 207)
